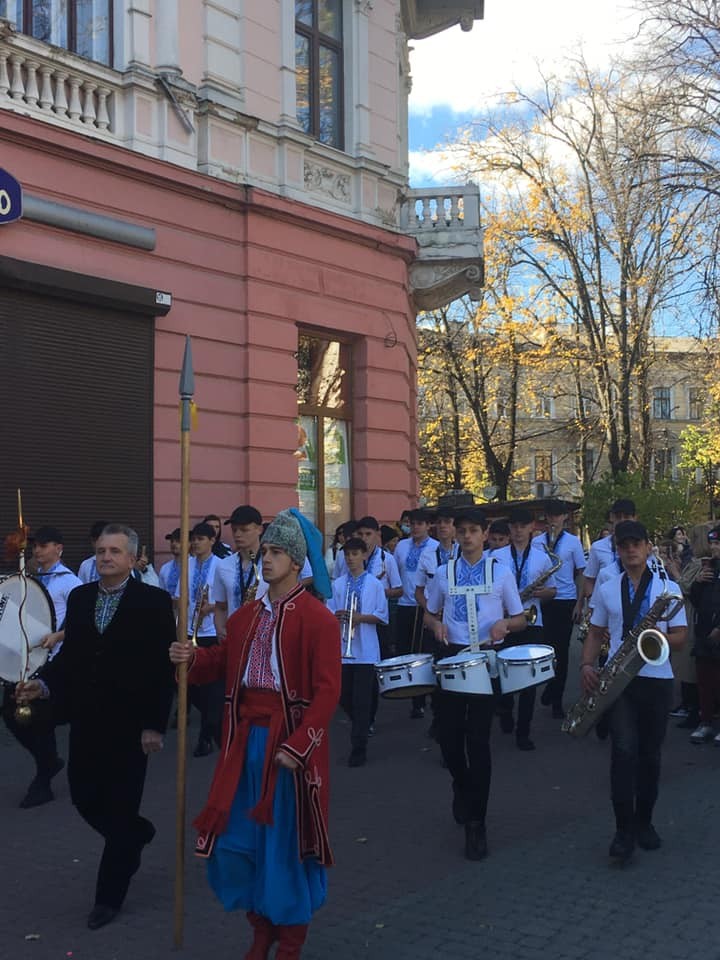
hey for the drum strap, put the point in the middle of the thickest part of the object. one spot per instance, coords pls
(470, 591)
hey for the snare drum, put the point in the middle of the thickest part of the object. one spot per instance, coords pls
(525, 666)
(407, 676)
(466, 672)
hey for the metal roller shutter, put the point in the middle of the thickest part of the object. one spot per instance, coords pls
(76, 395)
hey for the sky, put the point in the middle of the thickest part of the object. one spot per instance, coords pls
(458, 75)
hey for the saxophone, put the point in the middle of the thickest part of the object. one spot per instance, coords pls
(527, 592)
(642, 645)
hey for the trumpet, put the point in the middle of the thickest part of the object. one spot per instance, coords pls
(348, 627)
(196, 618)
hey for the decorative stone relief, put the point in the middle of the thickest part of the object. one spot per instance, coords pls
(364, 6)
(319, 179)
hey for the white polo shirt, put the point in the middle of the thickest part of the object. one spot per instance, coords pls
(537, 563)
(408, 577)
(430, 561)
(381, 564)
(226, 581)
(59, 581)
(88, 572)
(570, 551)
(607, 612)
(503, 600)
(206, 628)
(365, 644)
(602, 554)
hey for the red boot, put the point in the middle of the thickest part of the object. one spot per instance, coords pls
(265, 936)
(290, 941)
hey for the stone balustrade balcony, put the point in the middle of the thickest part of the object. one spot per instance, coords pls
(44, 81)
(445, 222)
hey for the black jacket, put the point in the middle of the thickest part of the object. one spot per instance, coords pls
(121, 679)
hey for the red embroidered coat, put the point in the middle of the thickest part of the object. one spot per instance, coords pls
(308, 654)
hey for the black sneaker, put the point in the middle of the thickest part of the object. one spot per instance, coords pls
(204, 747)
(358, 757)
(680, 712)
(475, 841)
(622, 846)
(417, 713)
(38, 793)
(507, 722)
(647, 837)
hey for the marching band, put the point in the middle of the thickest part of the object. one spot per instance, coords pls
(468, 611)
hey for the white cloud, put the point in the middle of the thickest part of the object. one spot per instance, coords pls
(466, 71)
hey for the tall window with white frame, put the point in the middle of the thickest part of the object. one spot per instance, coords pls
(83, 26)
(319, 69)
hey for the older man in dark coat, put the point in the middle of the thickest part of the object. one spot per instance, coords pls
(113, 683)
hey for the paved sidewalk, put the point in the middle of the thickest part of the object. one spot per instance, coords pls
(401, 888)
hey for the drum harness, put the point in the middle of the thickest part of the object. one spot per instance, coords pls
(470, 591)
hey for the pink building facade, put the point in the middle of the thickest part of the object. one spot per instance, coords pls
(206, 187)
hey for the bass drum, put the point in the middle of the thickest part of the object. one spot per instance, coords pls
(27, 615)
(400, 678)
(525, 666)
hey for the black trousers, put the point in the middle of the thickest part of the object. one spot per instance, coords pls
(38, 736)
(106, 773)
(463, 731)
(356, 699)
(208, 699)
(557, 629)
(526, 697)
(638, 722)
(411, 637)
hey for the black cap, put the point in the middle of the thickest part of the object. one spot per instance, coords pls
(471, 515)
(521, 515)
(369, 523)
(554, 508)
(624, 506)
(630, 530)
(174, 534)
(244, 515)
(47, 534)
(203, 530)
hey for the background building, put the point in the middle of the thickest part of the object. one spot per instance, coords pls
(238, 173)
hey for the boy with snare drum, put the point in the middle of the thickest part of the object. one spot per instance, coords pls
(482, 606)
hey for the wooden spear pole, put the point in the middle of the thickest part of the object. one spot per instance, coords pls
(187, 389)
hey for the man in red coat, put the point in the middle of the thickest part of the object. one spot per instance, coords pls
(264, 829)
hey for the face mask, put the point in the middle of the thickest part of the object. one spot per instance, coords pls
(405, 527)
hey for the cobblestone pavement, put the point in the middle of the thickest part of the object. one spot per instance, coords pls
(401, 888)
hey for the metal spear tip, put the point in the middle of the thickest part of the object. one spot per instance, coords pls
(187, 377)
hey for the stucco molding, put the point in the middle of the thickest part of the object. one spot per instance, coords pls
(364, 6)
(325, 180)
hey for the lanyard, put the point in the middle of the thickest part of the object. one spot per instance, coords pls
(631, 608)
(526, 554)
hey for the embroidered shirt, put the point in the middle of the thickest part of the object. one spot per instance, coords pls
(106, 604)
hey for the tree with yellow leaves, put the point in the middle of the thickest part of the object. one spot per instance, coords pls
(579, 209)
